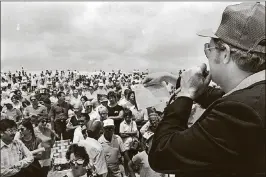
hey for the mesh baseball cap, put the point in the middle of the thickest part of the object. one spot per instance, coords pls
(243, 26)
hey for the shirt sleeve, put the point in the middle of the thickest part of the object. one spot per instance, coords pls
(214, 142)
(121, 128)
(6, 172)
(121, 144)
(27, 154)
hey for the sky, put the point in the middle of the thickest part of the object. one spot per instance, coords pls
(89, 36)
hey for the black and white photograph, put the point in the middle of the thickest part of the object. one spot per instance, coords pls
(133, 89)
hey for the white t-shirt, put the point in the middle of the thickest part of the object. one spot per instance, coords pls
(96, 154)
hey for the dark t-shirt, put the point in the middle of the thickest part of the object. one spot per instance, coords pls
(114, 111)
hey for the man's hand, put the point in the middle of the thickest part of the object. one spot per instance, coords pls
(193, 83)
(154, 79)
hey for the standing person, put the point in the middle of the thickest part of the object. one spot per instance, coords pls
(35, 108)
(129, 134)
(48, 137)
(59, 114)
(113, 147)
(83, 100)
(27, 136)
(53, 97)
(94, 148)
(11, 112)
(15, 156)
(229, 137)
(115, 111)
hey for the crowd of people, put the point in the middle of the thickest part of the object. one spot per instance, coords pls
(96, 111)
(203, 131)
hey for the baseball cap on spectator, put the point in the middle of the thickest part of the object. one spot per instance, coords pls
(8, 101)
(108, 122)
(100, 84)
(242, 26)
(103, 99)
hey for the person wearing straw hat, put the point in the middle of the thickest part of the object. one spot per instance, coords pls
(228, 139)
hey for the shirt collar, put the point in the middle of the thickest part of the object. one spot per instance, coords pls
(7, 145)
(250, 80)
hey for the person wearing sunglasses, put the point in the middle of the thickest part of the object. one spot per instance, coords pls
(15, 156)
(79, 162)
(228, 139)
(48, 137)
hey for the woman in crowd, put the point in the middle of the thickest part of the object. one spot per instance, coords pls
(48, 138)
(83, 100)
(115, 111)
(16, 103)
(27, 136)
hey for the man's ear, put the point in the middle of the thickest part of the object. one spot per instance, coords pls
(226, 51)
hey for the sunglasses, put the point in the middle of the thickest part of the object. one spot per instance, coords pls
(76, 162)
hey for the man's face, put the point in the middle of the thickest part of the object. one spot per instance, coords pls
(89, 108)
(34, 101)
(9, 134)
(128, 118)
(108, 131)
(104, 103)
(76, 164)
(9, 106)
(62, 97)
(154, 121)
(103, 114)
(214, 61)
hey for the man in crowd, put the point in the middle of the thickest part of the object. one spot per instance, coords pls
(113, 147)
(94, 148)
(59, 114)
(15, 156)
(11, 112)
(229, 137)
(35, 109)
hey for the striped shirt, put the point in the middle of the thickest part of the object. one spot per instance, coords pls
(14, 157)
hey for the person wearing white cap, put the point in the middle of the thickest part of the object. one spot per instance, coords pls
(11, 112)
(228, 139)
(113, 147)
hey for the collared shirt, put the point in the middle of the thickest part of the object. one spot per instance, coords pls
(128, 128)
(112, 149)
(96, 154)
(59, 111)
(14, 157)
(40, 110)
(252, 79)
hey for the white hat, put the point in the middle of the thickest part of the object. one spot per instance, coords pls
(100, 84)
(87, 103)
(8, 101)
(108, 122)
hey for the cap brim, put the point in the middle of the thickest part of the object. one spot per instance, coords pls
(207, 33)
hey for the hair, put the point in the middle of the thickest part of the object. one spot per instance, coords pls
(127, 112)
(78, 151)
(27, 123)
(6, 124)
(128, 96)
(126, 92)
(87, 117)
(59, 94)
(85, 98)
(111, 94)
(15, 97)
(250, 62)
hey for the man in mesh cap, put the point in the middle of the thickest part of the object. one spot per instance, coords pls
(228, 139)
